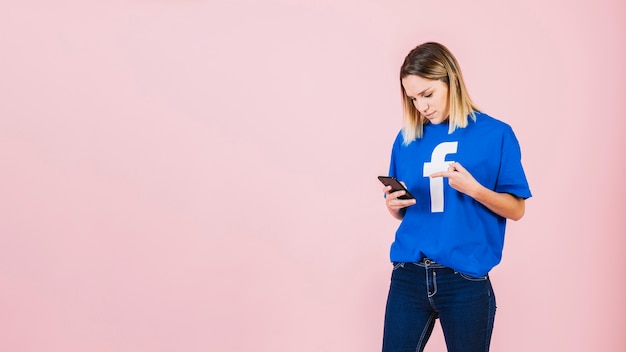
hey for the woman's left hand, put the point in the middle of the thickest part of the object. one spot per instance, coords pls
(503, 204)
(460, 179)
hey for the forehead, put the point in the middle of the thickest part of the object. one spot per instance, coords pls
(415, 85)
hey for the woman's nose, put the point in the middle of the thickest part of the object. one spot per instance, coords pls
(422, 107)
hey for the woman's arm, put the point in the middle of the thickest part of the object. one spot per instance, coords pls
(503, 204)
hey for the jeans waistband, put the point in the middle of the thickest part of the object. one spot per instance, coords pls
(429, 263)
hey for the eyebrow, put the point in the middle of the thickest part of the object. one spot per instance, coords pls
(420, 93)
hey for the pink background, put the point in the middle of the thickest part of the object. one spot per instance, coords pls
(201, 175)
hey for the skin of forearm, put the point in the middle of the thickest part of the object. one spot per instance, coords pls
(503, 204)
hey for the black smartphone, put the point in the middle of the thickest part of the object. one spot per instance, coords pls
(395, 186)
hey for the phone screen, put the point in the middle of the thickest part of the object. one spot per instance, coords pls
(395, 186)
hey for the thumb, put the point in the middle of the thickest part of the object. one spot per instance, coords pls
(457, 167)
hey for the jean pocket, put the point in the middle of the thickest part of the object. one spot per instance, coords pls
(397, 265)
(472, 278)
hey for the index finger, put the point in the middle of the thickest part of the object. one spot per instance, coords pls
(440, 174)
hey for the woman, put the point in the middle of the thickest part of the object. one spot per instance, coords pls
(464, 169)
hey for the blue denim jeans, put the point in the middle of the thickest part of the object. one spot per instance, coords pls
(422, 292)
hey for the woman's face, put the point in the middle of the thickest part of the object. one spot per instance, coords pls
(430, 97)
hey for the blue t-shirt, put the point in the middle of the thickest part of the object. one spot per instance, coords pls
(445, 225)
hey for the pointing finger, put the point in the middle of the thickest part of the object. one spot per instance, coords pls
(441, 174)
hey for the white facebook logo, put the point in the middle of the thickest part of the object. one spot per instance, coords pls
(438, 163)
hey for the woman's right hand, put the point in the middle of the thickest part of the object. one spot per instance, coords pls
(395, 205)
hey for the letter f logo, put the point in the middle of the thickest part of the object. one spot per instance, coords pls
(438, 163)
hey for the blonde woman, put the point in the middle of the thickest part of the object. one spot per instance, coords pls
(464, 169)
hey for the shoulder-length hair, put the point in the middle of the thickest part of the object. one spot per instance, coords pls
(434, 61)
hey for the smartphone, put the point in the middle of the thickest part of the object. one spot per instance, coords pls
(395, 186)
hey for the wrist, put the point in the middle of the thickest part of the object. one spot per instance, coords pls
(478, 192)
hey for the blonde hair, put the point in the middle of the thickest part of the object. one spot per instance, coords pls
(435, 62)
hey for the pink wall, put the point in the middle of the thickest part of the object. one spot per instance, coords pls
(201, 175)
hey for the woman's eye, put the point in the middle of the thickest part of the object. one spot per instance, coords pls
(428, 96)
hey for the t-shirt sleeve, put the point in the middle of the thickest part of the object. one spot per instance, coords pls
(393, 171)
(511, 176)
